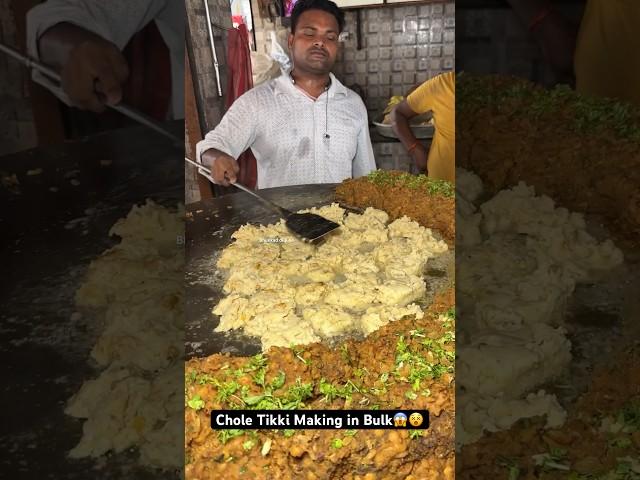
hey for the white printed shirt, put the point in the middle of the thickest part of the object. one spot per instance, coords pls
(287, 132)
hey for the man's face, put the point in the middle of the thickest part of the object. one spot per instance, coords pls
(315, 44)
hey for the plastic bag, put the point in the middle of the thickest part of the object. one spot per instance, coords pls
(263, 67)
(279, 52)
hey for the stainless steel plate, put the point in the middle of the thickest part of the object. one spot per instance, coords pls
(420, 131)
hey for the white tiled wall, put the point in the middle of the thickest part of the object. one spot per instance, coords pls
(392, 156)
(402, 46)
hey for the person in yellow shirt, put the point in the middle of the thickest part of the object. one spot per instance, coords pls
(438, 96)
(601, 57)
(607, 58)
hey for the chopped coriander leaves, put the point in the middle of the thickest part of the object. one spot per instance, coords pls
(630, 416)
(580, 113)
(249, 444)
(336, 443)
(196, 403)
(225, 435)
(414, 182)
(411, 395)
(278, 381)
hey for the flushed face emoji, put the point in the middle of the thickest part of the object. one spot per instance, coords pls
(415, 419)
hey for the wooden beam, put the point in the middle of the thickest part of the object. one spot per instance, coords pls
(204, 73)
(193, 131)
(209, 104)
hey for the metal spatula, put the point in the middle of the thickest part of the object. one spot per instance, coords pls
(307, 226)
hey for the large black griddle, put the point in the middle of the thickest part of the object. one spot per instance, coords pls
(209, 227)
(210, 224)
(48, 240)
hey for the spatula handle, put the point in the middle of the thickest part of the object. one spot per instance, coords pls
(205, 172)
(273, 206)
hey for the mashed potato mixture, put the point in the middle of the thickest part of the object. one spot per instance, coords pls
(365, 275)
(136, 288)
(523, 257)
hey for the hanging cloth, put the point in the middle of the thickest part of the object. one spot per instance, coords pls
(148, 87)
(239, 81)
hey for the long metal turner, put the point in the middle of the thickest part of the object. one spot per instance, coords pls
(307, 226)
(127, 111)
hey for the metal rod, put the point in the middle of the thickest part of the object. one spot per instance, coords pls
(30, 63)
(199, 165)
(123, 109)
(213, 47)
(202, 170)
(147, 121)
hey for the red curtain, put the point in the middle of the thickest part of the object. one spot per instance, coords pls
(148, 87)
(239, 81)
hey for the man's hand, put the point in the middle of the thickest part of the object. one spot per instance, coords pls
(419, 155)
(93, 70)
(224, 169)
(94, 75)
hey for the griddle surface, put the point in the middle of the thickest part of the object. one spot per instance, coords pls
(208, 231)
(48, 240)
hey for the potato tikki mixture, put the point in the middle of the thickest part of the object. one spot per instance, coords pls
(365, 275)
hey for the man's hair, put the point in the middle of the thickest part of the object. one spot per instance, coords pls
(324, 5)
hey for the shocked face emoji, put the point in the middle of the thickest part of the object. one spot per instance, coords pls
(415, 419)
(400, 420)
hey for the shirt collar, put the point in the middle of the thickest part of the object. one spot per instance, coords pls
(284, 85)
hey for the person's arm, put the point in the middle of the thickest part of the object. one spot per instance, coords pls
(552, 31)
(364, 161)
(235, 133)
(82, 39)
(400, 117)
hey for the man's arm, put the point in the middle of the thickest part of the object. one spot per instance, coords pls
(552, 31)
(400, 117)
(235, 133)
(82, 39)
(364, 161)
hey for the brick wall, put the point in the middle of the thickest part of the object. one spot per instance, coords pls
(17, 131)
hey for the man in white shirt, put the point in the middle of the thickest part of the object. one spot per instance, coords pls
(83, 40)
(304, 127)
